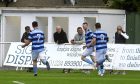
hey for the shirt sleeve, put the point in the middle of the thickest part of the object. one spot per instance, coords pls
(30, 37)
(91, 34)
(94, 35)
(125, 35)
(75, 38)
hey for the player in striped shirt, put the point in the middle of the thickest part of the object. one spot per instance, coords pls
(37, 38)
(100, 40)
(89, 50)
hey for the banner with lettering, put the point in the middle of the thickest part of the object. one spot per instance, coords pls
(59, 56)
(127, 57)
(123, 56)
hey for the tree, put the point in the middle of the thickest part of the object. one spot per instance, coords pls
(128, 5)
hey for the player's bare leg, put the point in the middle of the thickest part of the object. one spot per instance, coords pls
(93, 58)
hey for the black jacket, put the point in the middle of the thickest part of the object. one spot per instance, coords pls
(24, 36)
(60, 38)
(119, 38)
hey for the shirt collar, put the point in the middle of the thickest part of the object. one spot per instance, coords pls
(35, 28)
(87, 29)
(98, 29)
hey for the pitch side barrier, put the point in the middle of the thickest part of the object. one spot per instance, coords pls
(123, 56)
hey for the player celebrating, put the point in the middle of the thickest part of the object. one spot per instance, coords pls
(37, 39)
(100, 40)
(89, 50)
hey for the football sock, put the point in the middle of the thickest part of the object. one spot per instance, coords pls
(43, 61)
(88, 61)
(35, 69)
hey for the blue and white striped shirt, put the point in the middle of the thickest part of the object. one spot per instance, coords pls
(101, 39)
(37, 39)
(88, 36)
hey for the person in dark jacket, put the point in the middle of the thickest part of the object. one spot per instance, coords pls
(24, 39)
(60, 37)
(25, 34)
(120, 38)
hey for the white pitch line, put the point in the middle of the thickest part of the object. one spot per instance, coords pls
(17, 82)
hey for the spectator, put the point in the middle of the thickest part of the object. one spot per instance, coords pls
(25, 34)
(24, 39)
(79, 38)
(120, 38)
(60, 37)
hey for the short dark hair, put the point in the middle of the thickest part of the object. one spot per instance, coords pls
(34, 23)
(79, 28)
(27, 28)
(97, 25)
(85, 23)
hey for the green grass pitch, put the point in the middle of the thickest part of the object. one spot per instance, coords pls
(75, 77)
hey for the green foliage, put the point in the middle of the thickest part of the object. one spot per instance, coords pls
(128, 5)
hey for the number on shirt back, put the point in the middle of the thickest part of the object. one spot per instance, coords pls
(38, 37)
(102, 37)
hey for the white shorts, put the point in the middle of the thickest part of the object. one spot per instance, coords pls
(88, 52)
(100, 55)
(42, 55)
(38, 55)
(35, 55)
